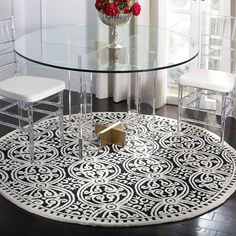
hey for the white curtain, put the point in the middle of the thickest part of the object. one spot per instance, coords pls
(115, 85)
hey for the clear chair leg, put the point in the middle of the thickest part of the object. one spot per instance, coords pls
(60, 111)
(233, 103)
(198, 100)
(154, 89)
(180, 103)
(223, 117)
(69, 95)
(31, 132)
(80, 117)
(20, 114)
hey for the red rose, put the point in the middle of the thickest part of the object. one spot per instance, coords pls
(111, 10)
(98, 4)
(100, 1)
(126, 10)
(136, 9)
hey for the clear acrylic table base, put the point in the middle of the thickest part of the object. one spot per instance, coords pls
(86, 121)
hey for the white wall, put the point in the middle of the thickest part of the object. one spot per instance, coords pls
(29, 15)
(58, 12)
(32, 14)
(65, 12)
(7, 9)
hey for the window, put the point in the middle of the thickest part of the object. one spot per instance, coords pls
(182, 16)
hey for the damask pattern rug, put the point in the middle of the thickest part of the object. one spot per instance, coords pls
(146, 182)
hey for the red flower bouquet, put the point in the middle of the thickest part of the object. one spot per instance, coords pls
(116, 7)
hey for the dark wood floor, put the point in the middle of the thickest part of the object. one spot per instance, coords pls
(219, 222)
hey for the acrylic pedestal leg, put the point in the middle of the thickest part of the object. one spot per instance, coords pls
(85, 121)
(141, 101)
(133, 101)
(132, 122)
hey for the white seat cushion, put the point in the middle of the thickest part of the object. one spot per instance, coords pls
(208, 79)
(30, 88)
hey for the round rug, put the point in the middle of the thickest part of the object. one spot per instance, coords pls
(146, 182)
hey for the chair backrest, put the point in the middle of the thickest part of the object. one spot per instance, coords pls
(218, 42)
(7, 55)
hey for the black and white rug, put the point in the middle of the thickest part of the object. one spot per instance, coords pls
(146, 182)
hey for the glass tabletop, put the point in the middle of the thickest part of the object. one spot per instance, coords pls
(82, 48)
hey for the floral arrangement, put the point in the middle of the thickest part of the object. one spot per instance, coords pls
(116, 7)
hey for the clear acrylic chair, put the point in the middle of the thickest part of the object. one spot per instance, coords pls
(215, 78)
(21, 97)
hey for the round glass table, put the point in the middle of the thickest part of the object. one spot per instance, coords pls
(81, 48)
(86, 50)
